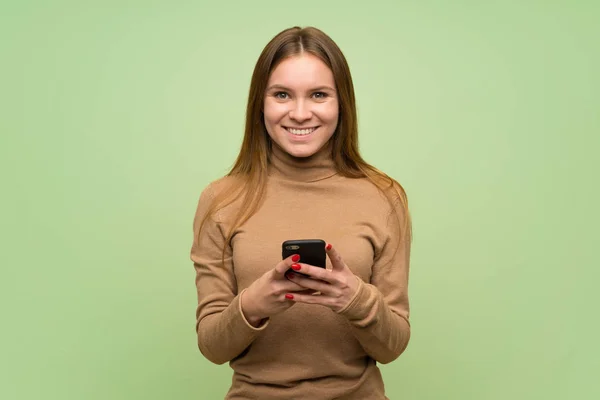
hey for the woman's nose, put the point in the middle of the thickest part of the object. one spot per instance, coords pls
(300, 112)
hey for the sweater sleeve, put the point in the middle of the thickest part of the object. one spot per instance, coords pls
(223, 331)
(379, 311)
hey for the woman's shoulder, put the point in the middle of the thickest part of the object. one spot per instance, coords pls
(375, 187)
(220, 186)
(219, 196)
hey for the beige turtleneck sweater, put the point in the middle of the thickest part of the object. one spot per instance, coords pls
(308, 351)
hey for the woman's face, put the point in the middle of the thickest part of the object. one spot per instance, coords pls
(301, 105)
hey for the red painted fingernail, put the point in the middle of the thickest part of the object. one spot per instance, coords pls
(295, 258)
(290, 276)
(328, 246)
(296, 267)
(289, 296)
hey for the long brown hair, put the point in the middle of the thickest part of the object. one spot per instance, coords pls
(251, 165)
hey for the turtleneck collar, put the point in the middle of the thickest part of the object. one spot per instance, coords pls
(306, 169)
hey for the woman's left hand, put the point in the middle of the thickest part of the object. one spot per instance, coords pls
(336, 287)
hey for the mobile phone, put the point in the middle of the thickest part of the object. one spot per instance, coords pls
(311, 251)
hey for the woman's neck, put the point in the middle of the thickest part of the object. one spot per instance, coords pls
(303, 169)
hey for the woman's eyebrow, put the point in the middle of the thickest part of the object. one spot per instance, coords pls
(323, 87)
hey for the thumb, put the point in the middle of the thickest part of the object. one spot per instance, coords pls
(284, 265)
(336, 259)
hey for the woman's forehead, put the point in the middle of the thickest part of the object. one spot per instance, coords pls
(302, 71)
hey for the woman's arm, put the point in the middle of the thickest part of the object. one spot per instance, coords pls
(379, 311)
(223, 331)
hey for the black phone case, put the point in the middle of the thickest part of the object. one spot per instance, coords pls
(311, 251)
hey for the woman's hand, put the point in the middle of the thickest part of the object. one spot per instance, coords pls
(336, 286)
(271, 293)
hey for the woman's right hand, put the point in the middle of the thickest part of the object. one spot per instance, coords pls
(265, 297)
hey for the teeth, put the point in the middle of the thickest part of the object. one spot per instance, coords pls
(300, 131)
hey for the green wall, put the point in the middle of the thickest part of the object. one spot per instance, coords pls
(116, 114)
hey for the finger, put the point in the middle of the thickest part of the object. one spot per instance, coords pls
(309, 292)
(314, 284)
(311, 299)
(287, 285)
(296, 290)
(336, 259)
(284, 265)
(314, 272)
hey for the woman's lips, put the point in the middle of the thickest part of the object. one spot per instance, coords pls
(301, 131)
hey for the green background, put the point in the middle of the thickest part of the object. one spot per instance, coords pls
(116, 114)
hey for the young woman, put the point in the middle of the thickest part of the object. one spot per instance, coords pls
(318, 334)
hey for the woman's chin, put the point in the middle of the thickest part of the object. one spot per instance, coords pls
(300, 153)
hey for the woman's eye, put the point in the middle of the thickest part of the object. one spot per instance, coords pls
(281, 95)
(320, 95)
